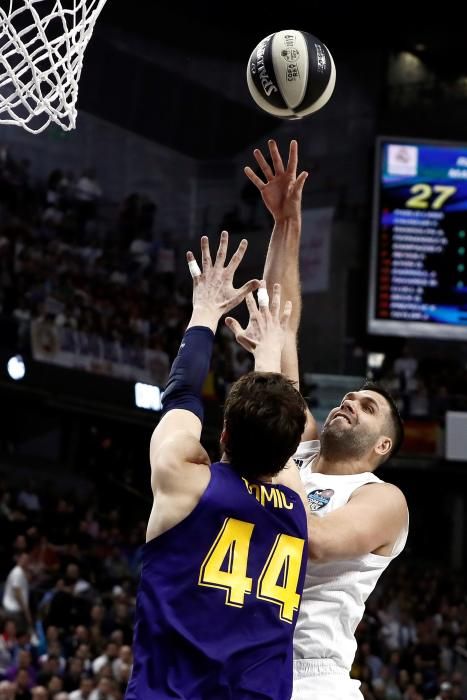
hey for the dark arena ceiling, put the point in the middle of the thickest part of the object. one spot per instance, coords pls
(232, 29)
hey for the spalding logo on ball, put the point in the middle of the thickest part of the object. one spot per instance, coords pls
(291, 74)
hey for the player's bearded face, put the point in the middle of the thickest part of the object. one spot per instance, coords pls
(348, 433)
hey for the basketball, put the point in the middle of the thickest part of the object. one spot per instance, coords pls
(291, 74)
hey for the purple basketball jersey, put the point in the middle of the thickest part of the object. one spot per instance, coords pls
(219, 596)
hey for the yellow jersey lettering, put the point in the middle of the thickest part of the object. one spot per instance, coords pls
(246, 484)
(256, 491)
(289, 506)
(269, 496)
(265, 494)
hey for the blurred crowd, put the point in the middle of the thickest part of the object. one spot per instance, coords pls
(68, 586)
(102, 289)
(425, 379)
(412, 641)
(90, 290)
(426, 386)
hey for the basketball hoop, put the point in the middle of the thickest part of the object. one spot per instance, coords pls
(42, 43)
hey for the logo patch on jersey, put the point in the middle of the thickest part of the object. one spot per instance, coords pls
(319, 498)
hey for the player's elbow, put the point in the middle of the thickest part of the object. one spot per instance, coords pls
(315, 551)
(319, 545)
(321, 549)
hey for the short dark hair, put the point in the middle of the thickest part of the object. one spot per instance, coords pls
(264, 418)
(396, 421)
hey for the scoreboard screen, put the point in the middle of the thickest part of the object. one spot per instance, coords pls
(418, 261)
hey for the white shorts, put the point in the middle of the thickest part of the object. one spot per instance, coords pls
(321, 679)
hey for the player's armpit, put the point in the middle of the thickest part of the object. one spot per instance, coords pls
(180, 470)
(370, 522)
(174, 447)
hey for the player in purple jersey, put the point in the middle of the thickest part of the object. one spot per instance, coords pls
(224, 561)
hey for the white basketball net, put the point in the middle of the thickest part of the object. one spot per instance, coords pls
(42, 43)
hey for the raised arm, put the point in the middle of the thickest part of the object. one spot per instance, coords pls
(282, 195)
(179, 464)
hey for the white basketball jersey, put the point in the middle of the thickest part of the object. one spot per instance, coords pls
(335, 592)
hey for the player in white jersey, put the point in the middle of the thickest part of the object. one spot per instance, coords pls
(357, 523)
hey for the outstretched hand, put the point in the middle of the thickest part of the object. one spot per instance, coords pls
(282, 191)
(266, 332)
(213, 292)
